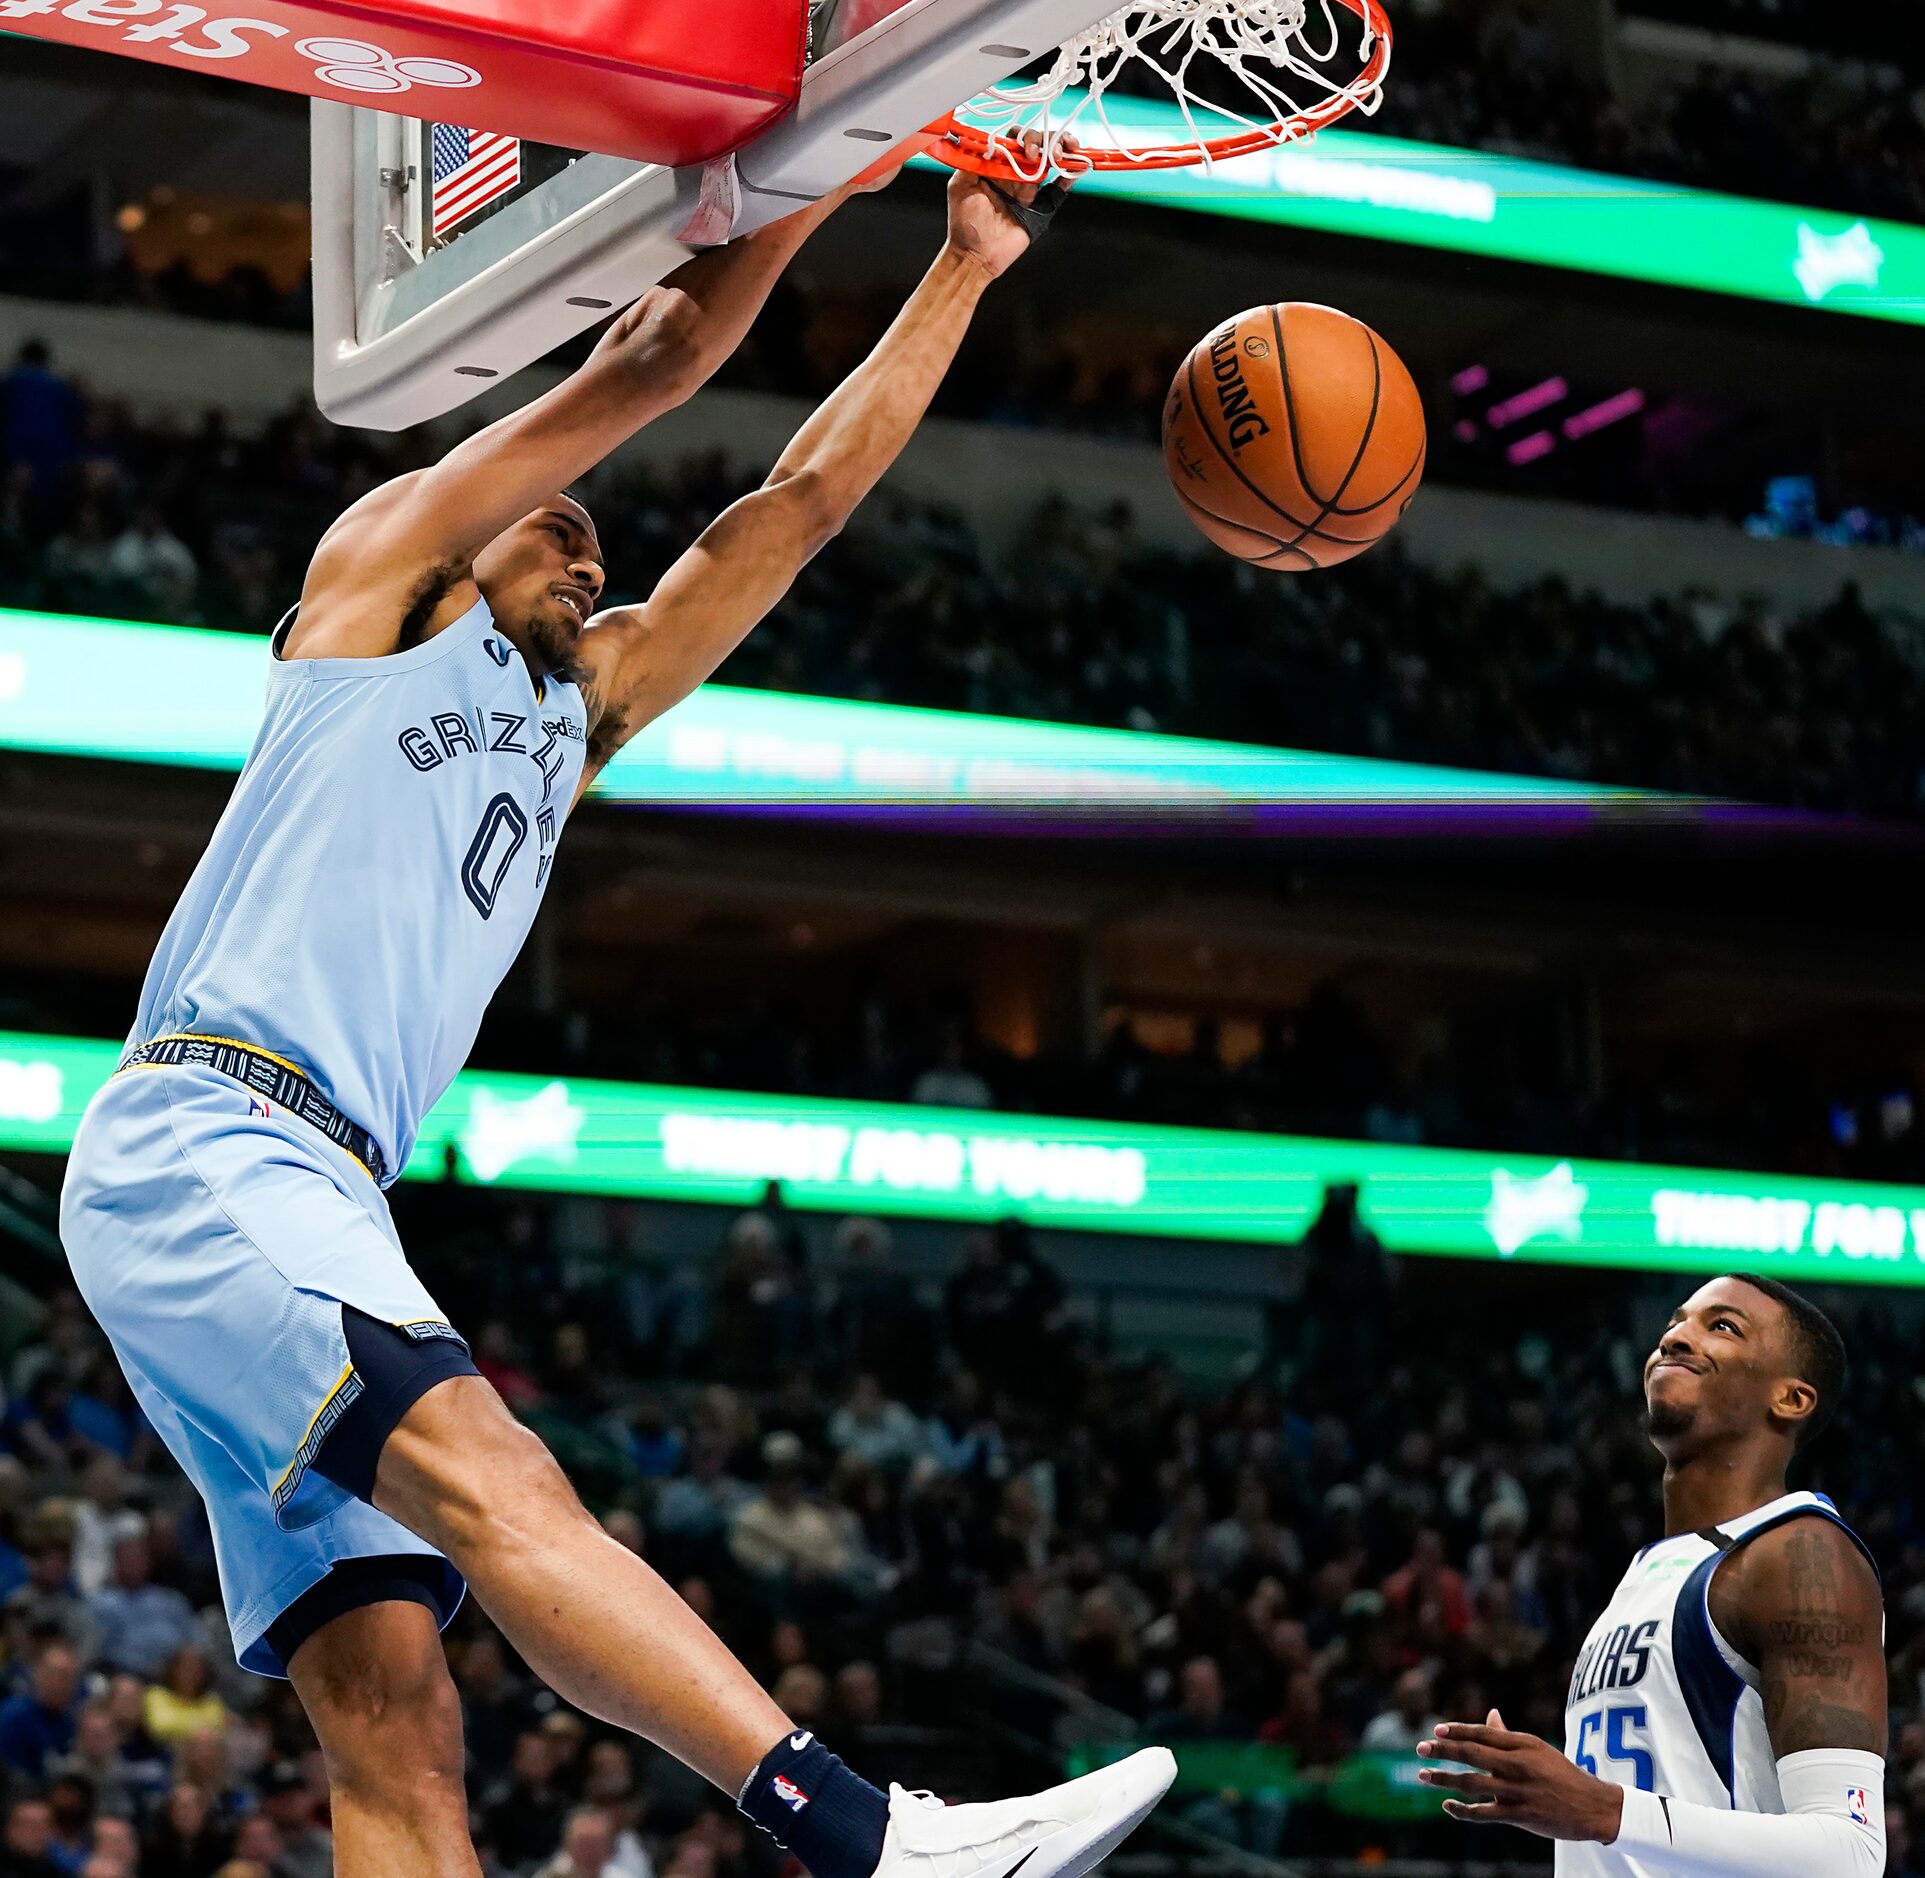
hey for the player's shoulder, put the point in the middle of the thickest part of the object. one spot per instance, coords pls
(1804, 1540)
(1805, 1561)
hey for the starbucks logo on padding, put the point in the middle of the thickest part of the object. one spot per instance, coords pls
(354, 65)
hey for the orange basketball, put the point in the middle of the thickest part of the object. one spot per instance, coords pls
(1293, 436)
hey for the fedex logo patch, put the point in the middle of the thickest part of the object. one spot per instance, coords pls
(1857, 1806)
(795, 1799)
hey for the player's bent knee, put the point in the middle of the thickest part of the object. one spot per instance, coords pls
(376, 1686)
(462, 1472)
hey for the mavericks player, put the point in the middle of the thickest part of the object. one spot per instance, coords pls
(1727, 1715)
(435, 706)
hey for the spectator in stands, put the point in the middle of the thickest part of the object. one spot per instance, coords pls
(49, 1603)
(876, 1320)
(1301, 1724)
(38, 1425)
(1426, 1578)
(1202, 1711)
(950, 1082)
(307, 1850)
(587, 1846)
(143, 1759)
(1409, 1719)
(1002, 1307)
(784, 1537)
(95, 1759)
(139, 1625)
(29, 1838)
(765, 1307)
(80, 566)
(704, 1501)
(524, 1810)
(37, 1724)
(184, 1841)
(184, 1701)
(39, 414)
(963, 1436)
(609, 1785)
(101, 1519)
(154, 569)
(70, 1801)
(875, 1430)
(655, 1445)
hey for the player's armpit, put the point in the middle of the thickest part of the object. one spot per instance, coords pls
(1806, 1608)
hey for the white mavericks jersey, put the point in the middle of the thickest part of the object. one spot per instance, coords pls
(1660, 1700)
(376, 870)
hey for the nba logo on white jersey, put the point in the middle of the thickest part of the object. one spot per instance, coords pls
(1858, 1806)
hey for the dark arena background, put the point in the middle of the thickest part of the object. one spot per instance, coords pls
(1089, 1143)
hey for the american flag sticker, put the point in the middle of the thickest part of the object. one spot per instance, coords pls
(468, 170)
(1858, 1806)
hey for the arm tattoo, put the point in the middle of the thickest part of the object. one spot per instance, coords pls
(1823, 1677)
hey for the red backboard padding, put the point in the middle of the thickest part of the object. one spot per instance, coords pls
(661, 81)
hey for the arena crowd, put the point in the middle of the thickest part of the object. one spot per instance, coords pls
(858, 1477)
(1079, 620)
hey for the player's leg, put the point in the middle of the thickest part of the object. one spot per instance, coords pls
(375, 1684)
(600, 1627)
(592, 1620)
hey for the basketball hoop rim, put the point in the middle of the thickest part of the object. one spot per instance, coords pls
(965, 147)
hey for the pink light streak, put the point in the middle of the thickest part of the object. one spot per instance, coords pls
(1529, 449)
(1509, 410)
(1471, 378)
(1595, 417)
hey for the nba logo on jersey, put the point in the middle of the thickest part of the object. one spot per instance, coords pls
(789, 1793)
(255, 1106)
(1857, 1805)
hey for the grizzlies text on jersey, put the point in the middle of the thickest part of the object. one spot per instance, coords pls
(376, 870)
(1660, 1701)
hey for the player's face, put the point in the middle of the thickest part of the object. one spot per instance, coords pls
(541, 580)
(1719, 1367)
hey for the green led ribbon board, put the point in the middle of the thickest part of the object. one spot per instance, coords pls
(180, 695)
(572, 1135)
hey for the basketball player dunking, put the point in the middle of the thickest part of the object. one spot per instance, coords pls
(1727, 1715)
(436, 705)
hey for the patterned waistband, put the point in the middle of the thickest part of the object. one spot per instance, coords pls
(271, 1077)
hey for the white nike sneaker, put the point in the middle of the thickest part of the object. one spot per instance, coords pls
(1059, 1833)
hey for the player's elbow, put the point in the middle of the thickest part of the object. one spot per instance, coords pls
(813, 509)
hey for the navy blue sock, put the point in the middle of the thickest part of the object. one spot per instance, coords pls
(810, 1804)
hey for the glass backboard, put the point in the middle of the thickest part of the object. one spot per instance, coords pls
(442, 265)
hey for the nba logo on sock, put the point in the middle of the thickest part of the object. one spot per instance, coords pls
(1857, 1806)
(789, 1793)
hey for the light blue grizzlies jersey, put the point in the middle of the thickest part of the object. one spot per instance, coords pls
(1660, 1700)
(376, 870)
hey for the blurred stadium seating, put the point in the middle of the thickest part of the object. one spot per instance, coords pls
(880, 1475)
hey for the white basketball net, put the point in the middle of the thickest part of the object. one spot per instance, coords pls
(1266, 65)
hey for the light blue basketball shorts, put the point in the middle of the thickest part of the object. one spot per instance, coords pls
(216, 1239)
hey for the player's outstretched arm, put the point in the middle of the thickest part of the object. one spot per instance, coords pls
(421, 531)
(644, 659)
(1803, 1604)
